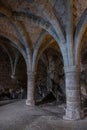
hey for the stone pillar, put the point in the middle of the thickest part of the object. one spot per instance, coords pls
(30, 88)
(73, 95)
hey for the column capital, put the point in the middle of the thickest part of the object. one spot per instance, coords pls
(71, 68)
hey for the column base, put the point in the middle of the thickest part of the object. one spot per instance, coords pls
(30, 103)
(73, 115)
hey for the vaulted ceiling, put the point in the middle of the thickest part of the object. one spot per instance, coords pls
(26, 23)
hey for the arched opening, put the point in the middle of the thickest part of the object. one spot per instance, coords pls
(50, 79)
(13, 77)
(4, 74)
(83, 75)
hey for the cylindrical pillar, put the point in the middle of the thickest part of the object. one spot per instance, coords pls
(73, 96)
(30, 88)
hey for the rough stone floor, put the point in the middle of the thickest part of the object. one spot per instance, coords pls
(18, 116)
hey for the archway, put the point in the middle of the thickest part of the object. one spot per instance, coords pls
(83, 75)
(13, 72)
(50, 81)
(4, 74)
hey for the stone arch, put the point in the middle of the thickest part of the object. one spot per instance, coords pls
(51, 45)
(12, 81)
(14, 42)
(39, 50)
(80, 48)
(40, 22)
(10, 52)
(9, 55)
(37, 45)
(19, 30)
(36, 51)
(39, 53)
(80, 29)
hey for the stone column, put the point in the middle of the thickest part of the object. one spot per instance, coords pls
(73, 96)
(30, 88)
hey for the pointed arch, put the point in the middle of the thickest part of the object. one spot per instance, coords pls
(19, 30)
(36, 47)
(38, 51)
(80, 29)
(63, 48)
(14, 42)
(37, 20)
